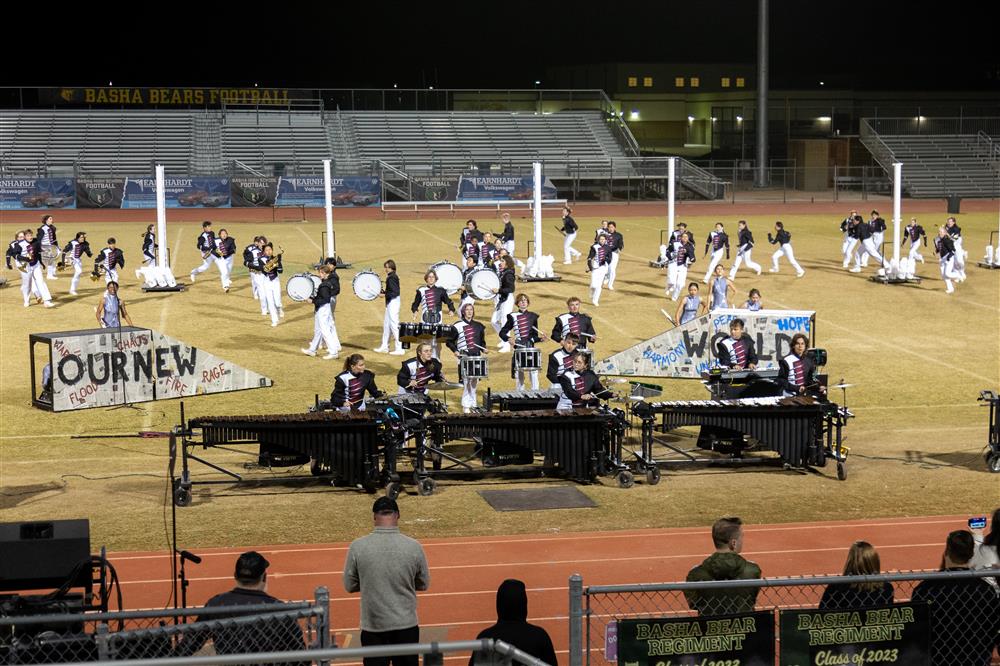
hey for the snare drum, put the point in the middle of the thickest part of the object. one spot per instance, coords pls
(409, 332)
(367, 285)
(528, 358)
(475, 367)
(482, 283)
(302, 286)
(449, 276)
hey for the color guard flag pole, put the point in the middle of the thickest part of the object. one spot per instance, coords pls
(671, 171)
(537, 168)
(897, 195)
(330, 248)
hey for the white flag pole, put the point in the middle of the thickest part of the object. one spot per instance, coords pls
(537, 168)
(330, 248)
(897, 195)
(161, 219)
(671, 171)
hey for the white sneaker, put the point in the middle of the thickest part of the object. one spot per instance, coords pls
(798, 275)
(567, 262)
(856, 269)
(73, 293)
(610, 288)
(331, 356)
(273, 324)
(49, 304)
(758, 271)
(381, 350)
(772, 270)
(921, 258)
(397, 352)
(281, 313)
(192, 277)
(308, 352)
(53, 277)
(26, 304)
(949, 290)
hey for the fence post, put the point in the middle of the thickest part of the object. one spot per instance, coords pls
(576, 620)
(101, 637)
(323, 616)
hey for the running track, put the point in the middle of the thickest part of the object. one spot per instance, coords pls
(465, 572)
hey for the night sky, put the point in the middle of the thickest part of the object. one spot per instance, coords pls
(862, 45)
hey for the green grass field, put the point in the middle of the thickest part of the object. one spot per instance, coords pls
(919, 358)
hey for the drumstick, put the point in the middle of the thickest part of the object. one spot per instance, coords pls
(586, 335)
(669, 318)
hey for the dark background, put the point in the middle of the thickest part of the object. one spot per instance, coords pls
(862, 45)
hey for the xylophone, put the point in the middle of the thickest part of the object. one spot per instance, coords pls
(519, 401)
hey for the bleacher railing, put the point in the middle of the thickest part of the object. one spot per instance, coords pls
(920, 125)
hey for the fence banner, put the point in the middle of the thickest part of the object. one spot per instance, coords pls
(346, 191)
(507, 188)
(180, 192)
(443, 188)
(252, 191)
(898, 634)
(687, 350)
(747, 640)
(99, 192)
(34, 193)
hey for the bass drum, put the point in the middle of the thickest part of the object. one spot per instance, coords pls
(449, 276)
(482, 283)
(367, 285)
(302, 286)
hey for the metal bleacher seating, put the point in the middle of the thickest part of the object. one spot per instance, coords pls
(264, 140)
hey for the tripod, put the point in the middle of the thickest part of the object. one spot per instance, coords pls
(117, 337)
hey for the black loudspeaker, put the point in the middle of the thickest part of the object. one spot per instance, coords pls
(43, 555)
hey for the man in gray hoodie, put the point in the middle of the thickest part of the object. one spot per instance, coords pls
(725, 563)
(388, 568)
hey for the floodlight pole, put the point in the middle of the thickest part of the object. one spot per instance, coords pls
(671, 184)
(897, 195)
(762, 51)
(537, 172)
(327, 188)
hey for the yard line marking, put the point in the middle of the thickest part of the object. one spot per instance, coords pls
(309, 238)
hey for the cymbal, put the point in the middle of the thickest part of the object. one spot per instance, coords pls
(842, 386)
(442, 386)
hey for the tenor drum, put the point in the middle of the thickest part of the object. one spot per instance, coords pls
(302, 286)
(409, 332)
(482, 283)
(475, 367)
(449, 276)
(367, 285)
(528, 359)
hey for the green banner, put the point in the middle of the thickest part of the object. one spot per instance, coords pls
(898, 634)
(731, 640)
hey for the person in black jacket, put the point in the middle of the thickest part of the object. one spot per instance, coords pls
(504, 300)
(73, 252)
(569, 228)
(877, 226)
(324, 328)
(862, 560)
(110, 259)
(350, 386)
(149, 247)
(574, 321)
(561, 360)
(718, 244)
(524, 326)
(581, 387)
(225, 247)
(417, 372)
(914, 233)
(205, 245)
(744, 251)
(796, 370)
(783, 240)
(432, 299)
(616, 243)
(390, 323)
(944, 248)
(507, 236)
(513, 627)
(468, 340)
(737, 350)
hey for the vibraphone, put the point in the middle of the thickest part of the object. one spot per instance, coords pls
(519, 401)
(346, 444)
(583, 443)
(802, 430)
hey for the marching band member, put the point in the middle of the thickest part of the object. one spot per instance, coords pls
(149, 247)
(681, 256)
(783, 240)
(753, 301)
(469, 340)
(616, 243)
(561, 360)
(854, 238)
(270, 267)
(569, 229)
(720, 288)
(865, 236)
(601, 231)
(324, 329)
(471, 236)
(75, 250)
(744, 251)
(690, 307)
(30, 257)
(914, 232)
(574, 322)
(580, 386)
(507, 236)
(847, 246)
(795, 371)
(955, 232)
(524, 325)
(877, 226)
(944, 248)
(206, 245)
(718, 242)
(350, 386)
(467, 298)
(504, 300)
(13, 253)
(251, 253)
(487, 250)
(225, 249)
(737, 350)
(432, 298)
(667, 252)
(390, 322)
(598, 261)
(47, 237)
(111, 310)
(110, 259)
(417, 372)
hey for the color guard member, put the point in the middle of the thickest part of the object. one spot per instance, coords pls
(111, 310)
(149, 247)
(783, 240)
(390, 322)
(74, 251)
(691, 306)
(324, 329)
(720, 288)
(569, 229)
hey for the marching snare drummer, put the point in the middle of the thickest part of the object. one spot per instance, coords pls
(561, 360)
(432, 299)
(524, 325)
(350, 386)
(469, 340)
(574, 322)
(417, 372)
(74, 251)
(503, 302)
(324, 327)
(390, 322)
(744, 251)
(598, 262)
(33, 280)
(569, 229)
(205, 245)
(580, 386)
(149, 247)
(49, 245)
(109, 260)
(737, 351)
(111, 310)
(796, 370)
(270, 267)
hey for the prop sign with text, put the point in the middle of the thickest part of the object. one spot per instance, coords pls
(747, 640)
(897, 634)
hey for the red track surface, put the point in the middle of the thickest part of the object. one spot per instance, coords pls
(465, 572)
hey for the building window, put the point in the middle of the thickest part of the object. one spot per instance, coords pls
(633, 81)
(740, 82)
(725, 81)
(695, 81)
(647, 82)
(679, 82)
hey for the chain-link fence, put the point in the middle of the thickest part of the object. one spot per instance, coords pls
(962, 612)
(27, 637)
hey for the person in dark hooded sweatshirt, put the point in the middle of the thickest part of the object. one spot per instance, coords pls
(512, 624)
(725, 563)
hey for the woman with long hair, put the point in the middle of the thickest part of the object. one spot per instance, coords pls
(350, 386)
(862, 560)
(987, 547)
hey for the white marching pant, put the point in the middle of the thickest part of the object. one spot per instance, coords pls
(671, 276)
(148, 260)
(949, 272)
(77, 272)
(500, 313)
(713, 262)
(206, 263)
(532, 377)
(33, 281)
(744, 257)
(876, 239)
(50, 270)
(390, 324)
(868, 248)
(509, 245)
(597, 282)
(257, 280)
(848, 249)
(568, 250)
(959, 256)
(613, 269)
(469, 386)
(223, 267)
(324, 331)
(847, 244)
(915, 252)
(786, 249)
(111, 275)
(267, 293)
(680, 276)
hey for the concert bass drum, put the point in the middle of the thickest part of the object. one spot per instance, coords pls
(449, 276)
(482, 283)
(302, 286)
(367, 285)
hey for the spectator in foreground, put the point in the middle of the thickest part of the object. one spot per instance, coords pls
(388, 568)
(987, 556)
(964, 613)
(512, 625)
(862, 560)
(725, 563)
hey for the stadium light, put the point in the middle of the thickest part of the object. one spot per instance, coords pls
(824, 119)
(634, 115)
(739, 119)
(690, 119)
(432, 87)
(714, 119)
(821, 83)
(538, 83)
